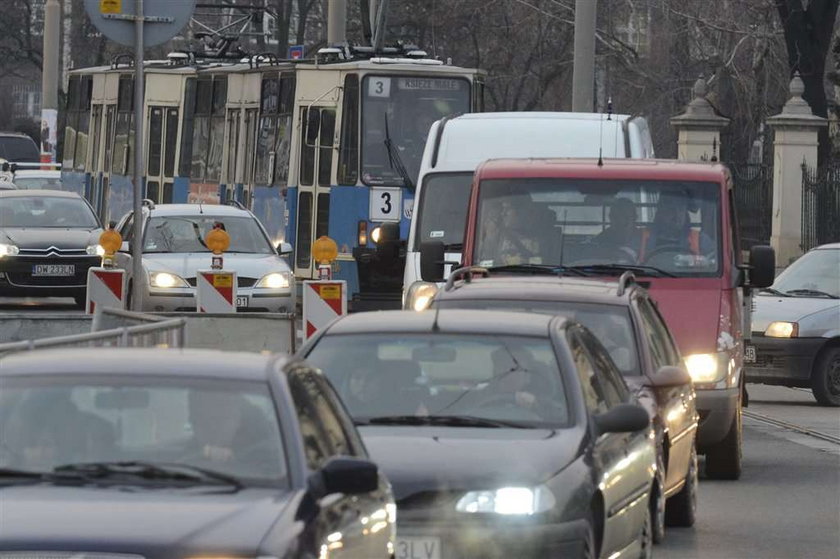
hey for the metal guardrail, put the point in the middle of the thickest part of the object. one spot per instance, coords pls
(156, 332)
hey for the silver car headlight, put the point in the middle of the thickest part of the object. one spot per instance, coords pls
(275, 280)
(95, 250)
(782, 330)
(508, 500)
(165, 280)
(8, 250)
(420, 295)
(706, 368)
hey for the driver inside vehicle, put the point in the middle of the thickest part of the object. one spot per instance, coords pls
(517, 380)
(672, 230)
(518, 245)
(226, 427)
(622, 233)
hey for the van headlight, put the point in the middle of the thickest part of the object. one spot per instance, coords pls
(165, 280)
(420, 295)
(508, 500)
(8, 250)
(275, 280)
(706, 368)
(782, 330)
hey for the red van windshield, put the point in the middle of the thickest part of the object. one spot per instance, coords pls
(673, 226)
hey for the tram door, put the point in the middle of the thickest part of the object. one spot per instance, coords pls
(232, 153)
(107, 157)
(163, 135)
(313, 207)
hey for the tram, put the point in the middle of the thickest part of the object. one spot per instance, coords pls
(327, 146)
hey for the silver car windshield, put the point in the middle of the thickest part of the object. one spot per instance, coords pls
(229, 427)
(187, 233)
(814, 273)
(492, 378)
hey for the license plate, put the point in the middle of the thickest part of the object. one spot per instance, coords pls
(418, 548)
(749, 354)
(53, 270)
(242, 301)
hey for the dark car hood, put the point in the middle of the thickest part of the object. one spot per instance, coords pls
(419, 459)
(46, 237)
(51, 517)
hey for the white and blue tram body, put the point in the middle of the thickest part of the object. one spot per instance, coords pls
(312, 148)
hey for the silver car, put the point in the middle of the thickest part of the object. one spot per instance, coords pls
(796, 327)
(174, 250)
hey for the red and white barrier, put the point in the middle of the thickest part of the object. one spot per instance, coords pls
(105, 289)
(215, 291)
(323, 301)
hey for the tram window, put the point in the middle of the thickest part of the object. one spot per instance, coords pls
(152, 190)
(326, 141)
(72, 115)
(155, 142)
(171, 137)
(304, 232)
(96, 136)
(323, 222)
(217, 140)
(265, 149)
(348, 157)
(109, 128)
(187, 132)
(313, 122)
(203, 97)
(307, 152)
(219, 95)
(83, 116)
(201, 139)
(125, 94)
(250, 133)
(284, 145)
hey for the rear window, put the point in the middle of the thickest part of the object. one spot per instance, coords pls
(19, 149)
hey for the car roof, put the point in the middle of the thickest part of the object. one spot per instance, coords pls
(29, 173)
(615, 169)
(37, 193)
(828, 246)
(14, 134)
(536, 115)
(197, 209)
(444, 321)
(540, 288)
(200, 363)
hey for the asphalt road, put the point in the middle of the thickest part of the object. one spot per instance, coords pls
(787, 502)
(46, 304)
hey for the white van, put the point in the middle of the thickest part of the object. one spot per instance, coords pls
(456, 146)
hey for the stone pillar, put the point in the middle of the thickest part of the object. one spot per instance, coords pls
(795, 143)
(698, 128)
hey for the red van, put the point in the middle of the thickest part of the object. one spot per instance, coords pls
(671, 223)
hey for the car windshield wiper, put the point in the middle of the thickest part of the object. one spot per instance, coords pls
(772, 291)
(447, 420)
(546, 269)
(394, 158)
(636, 268)
(816, 292)
(149, 471)
(11, 472)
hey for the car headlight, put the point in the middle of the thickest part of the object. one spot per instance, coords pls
(705, 368)
(8, 250)
(508, 500)
(95, 250)
(166, 280)
(420, 295)
(275, 280)
(782, 330)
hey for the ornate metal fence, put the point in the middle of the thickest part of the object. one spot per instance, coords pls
(820, 205)
(754, 202)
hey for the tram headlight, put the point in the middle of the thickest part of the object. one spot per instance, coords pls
(376, 234)
(420, 295)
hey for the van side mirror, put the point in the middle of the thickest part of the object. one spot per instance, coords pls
(762, 268)
(669, 376)
(432, 254)
(623, 418)
(284, 248)
(343, 474)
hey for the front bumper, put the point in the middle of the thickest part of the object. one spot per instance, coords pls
(717, 409)
(785, 361)
(490, 539)
(17, 279)
(183, 300)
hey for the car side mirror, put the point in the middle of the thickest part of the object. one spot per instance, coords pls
(623, 418)
(669, 376)
(762, 268)
(284, 248)
(343, 474)
(432, 254)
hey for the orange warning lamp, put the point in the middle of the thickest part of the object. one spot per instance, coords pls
(324, 250)
(217, 240)
(110, 241)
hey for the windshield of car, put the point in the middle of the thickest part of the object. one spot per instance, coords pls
(37, 183)
(403, 109)
(493, 378)
(672, 226)
(19, 149)
(46, 211)
(186, 234)
(229, 427)
(443, 208)
(816, 271)
(609, 323)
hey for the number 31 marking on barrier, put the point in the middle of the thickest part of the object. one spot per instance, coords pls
(385, 204)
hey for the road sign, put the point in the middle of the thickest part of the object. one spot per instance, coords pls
(215, 291)
(323, 301)
(105, 289)
(296, 52)
(164, 19)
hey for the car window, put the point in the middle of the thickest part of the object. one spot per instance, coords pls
(593, 393)
(226, 426)
(497, 378)
(186, 234)
(671, 350)
(615, 389)
(656, 336)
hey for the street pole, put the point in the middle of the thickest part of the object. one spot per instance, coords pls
(137, 244)
(583, 74)
(49, 82)
(336, 22)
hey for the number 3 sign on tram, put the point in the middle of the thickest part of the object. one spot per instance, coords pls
(385, 204)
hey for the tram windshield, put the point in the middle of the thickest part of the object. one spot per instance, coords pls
(398, 111)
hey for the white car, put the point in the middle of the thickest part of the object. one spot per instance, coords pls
(174, 250)
(37, 179)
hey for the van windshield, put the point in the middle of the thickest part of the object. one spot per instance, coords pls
(442, 214)
(671, 227)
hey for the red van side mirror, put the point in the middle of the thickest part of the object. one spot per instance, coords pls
(762, 269)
